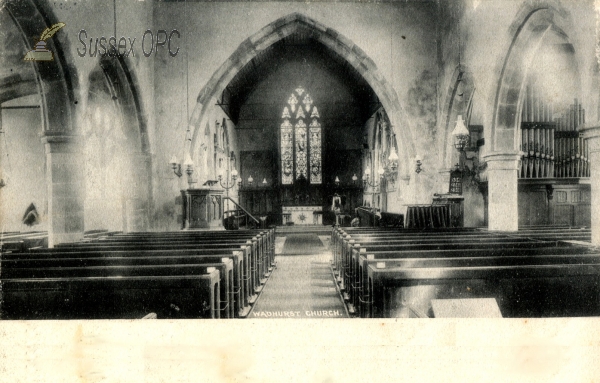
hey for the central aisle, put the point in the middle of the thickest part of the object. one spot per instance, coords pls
(302, 285)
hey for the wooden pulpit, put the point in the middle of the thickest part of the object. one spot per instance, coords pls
(202, 209)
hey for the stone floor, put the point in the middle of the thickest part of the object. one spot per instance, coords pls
(302, 285)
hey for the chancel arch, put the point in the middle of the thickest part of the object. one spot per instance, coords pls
(260, 46)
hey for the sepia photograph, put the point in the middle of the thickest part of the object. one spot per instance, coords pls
(304, 191)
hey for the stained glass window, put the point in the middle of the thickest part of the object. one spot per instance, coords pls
(287, 149)
(300, 144)
(301, 149)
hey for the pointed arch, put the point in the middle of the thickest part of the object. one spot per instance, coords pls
(57, 80)
(332, 40)
(533, 23)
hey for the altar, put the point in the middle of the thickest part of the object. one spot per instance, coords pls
(303, 215)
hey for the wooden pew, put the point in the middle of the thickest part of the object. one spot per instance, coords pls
(520, 291)
(439, 244)
(258, 260)
(476, 257)
(225, 268)
(243, 296)
(265, 252)
(350, 282)
(247, 246)
(112, 297)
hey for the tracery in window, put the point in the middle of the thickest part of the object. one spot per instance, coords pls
(300, 144)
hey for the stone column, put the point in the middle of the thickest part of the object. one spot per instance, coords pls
(503, 209)
(137, 193)
(65, 182)
(592, 136)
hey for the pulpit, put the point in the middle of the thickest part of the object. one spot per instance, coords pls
(202, 208)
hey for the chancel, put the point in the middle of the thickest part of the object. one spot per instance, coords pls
(301, 160)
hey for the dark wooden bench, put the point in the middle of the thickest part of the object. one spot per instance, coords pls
(391, 220)
(478, 257)
(445, 244)
(244, 293)
(225, 268)
(111, 297)
(258, 261)
(520, 291)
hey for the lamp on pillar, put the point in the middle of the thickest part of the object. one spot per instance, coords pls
(264, 182)
(392, 160)
(367, 176)
(462, 137)
(189, 169)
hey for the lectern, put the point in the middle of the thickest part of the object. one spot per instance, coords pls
(202, 209)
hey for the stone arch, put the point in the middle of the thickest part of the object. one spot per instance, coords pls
(57, 80)
(332, 40)
(535, 20)
(122, 85)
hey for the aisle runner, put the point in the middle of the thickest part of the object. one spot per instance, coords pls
(303, 244)
(301, 286)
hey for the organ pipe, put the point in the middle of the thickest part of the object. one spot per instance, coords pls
(551, 144)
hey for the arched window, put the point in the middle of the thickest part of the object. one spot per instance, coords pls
(300, 143)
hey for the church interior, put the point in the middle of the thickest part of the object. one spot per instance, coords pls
(418, 158)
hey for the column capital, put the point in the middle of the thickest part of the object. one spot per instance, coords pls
(503, 161)
(61, 142)
(592, 135)
(590, 131)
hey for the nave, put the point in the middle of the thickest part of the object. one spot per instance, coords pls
(377, 272)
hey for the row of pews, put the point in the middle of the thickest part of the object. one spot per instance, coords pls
(535, 272)
(188, 274)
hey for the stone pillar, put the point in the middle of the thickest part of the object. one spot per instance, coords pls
(503, 209)
(592, 136)
(137, 193)
(65, 182)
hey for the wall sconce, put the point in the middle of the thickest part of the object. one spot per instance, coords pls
(354, 179)
(176, 166)
(264, 182)
(250, 180)
(418, 163)
(367, 175)
(337, 181)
